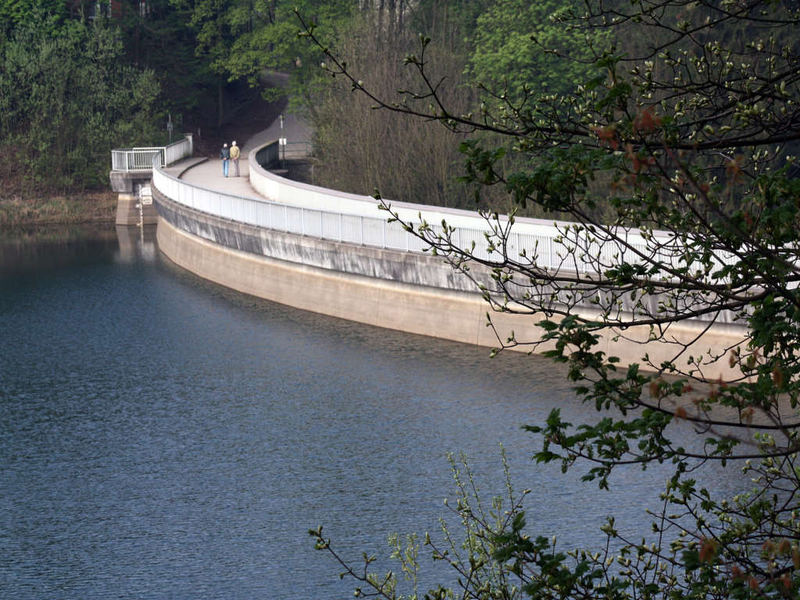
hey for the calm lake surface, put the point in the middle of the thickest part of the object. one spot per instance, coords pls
(162, 437)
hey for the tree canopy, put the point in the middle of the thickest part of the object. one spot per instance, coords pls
(674, 159)
(66, 99)
(245, 40)
(508, 46)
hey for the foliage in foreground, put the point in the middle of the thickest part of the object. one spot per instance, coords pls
(687, 134)
(491, 556)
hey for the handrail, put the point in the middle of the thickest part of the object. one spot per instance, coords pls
(365, 230)
(141, 159)
(308, 210)
(555, 245)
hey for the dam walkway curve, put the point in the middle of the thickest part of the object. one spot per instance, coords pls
(337, 254)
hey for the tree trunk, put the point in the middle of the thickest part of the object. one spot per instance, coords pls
(220, 102)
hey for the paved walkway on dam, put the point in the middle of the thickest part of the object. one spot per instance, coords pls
(208, 173)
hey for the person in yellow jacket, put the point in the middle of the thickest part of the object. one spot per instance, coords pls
(235, 158)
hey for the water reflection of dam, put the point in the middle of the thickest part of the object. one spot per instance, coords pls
(136, 243)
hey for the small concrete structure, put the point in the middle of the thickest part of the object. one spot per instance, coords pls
(132, 208)
(131, 174)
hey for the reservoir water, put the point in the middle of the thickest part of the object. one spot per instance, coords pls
(162, 437)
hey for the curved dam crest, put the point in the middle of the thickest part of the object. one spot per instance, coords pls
(284, 241)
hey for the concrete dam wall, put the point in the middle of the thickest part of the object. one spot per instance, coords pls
(334, 253)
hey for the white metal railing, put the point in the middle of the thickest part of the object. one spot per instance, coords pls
(356, 229)
(296, 150)
(141, 159)
(331, 215)
(552, 244)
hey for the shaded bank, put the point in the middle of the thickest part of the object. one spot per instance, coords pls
(22, 207)
(17, 212)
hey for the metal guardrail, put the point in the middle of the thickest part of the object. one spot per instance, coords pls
(338, 227)
(294, 150)
(136, 159)
(528, 238)
(551, 244)
(346, 218)
(142, 159)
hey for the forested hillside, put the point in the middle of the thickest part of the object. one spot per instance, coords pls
(78, 78)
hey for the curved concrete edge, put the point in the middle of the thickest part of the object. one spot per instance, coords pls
(280, 189)
(445, 314)
(416, 269)
(184, 166)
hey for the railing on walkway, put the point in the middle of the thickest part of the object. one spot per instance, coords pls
(142, 159)
(550, 244)
(325, 214)
(338, 227)
(357, 220)
(295, 150)
(276, 152)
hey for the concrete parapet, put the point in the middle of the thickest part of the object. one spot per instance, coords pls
(127, 182)
(369, 261)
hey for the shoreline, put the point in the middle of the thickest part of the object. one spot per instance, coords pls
(97, 207)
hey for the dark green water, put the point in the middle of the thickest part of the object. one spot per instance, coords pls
(161, 437)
